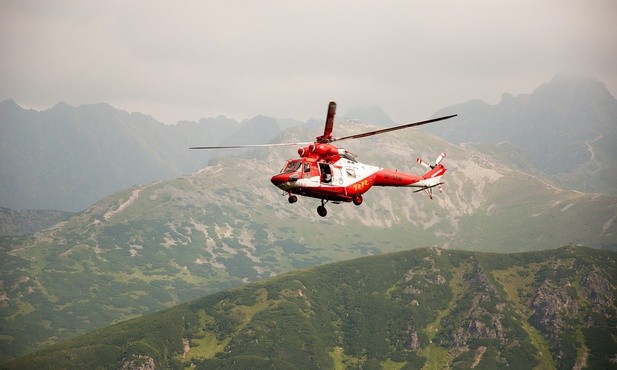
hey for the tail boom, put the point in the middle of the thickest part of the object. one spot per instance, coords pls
(425, 183)
(395, 178)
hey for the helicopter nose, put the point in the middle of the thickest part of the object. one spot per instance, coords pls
(279, 179)
(285, 181)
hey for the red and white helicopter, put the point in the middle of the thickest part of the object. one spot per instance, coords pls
(333, 174)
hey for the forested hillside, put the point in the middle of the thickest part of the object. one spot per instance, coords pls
(427, 308)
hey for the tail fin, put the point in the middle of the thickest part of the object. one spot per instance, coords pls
(440, 158)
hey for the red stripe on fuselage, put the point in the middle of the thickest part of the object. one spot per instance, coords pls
(327, 192)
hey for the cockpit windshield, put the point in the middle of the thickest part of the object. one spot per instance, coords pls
(292, 166)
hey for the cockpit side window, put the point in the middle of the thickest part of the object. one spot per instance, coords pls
(292, 166)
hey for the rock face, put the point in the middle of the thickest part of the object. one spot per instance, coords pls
(599, 292)
(571, 298)
(138, 362)
(553, 308)
(482, 318)
(412, 341)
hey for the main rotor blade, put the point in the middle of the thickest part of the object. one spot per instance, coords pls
(329, 120)
(249, 146)
(383, 131)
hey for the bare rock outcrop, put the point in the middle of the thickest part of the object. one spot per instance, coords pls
(552, 307)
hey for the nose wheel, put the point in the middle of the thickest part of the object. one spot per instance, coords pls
(292, 199)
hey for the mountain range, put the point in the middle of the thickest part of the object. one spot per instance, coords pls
(159, 244)
(426, 308)
(166, 241)
(67, 158)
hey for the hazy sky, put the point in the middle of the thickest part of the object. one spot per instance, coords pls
(184, 60)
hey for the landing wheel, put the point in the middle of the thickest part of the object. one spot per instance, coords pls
(357, 200)
(322, 211)
(292, 199)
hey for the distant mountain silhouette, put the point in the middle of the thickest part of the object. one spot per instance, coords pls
(370, 114)
(568, 128)
(67, 158)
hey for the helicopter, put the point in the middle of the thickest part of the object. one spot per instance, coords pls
(333, 174)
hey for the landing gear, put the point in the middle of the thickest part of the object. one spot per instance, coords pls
(321, 210)
(292, 199)
(357, 200)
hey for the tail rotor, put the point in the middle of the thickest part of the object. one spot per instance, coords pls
(422, 163)
(432, 177)
(440, 158)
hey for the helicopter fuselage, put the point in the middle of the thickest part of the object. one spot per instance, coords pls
(332, 174)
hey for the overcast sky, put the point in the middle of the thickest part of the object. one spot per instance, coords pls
(184, 60)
